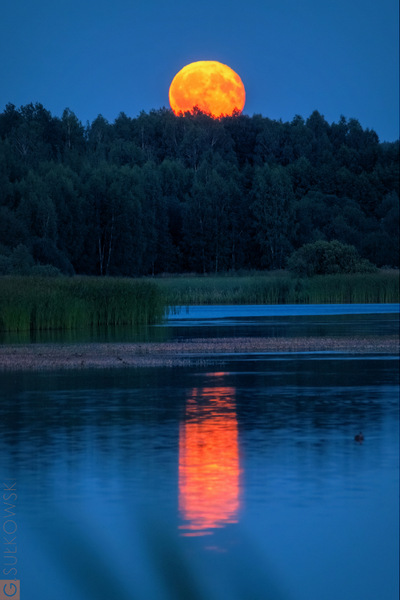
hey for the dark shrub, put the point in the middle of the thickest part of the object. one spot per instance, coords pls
(324, 258)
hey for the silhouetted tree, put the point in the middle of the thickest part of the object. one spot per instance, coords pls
(165, 193)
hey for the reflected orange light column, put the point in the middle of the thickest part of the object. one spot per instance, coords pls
(209, 461)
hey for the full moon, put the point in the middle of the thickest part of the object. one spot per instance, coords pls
(209, 85)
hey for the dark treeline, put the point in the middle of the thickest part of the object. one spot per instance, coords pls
(160, 193)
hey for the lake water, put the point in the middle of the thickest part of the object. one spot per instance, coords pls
(235, 482)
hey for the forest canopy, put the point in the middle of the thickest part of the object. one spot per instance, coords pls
(160, 193)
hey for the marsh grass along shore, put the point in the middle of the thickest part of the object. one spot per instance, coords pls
(280, 287)
(68, 303)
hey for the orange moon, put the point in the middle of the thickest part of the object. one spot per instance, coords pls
(209, 85)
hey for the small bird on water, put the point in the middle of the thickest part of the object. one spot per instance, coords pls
(359, 437)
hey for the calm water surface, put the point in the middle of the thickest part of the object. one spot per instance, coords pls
(236, 481)
(230, 321)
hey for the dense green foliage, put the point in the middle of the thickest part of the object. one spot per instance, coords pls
(160, 193)
(324, 258)
(281, 288)
(36, 303)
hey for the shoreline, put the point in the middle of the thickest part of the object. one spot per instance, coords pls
(54, 356)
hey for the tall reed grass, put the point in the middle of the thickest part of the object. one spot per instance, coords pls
(64, 303)
(35, 303)
(282, 288)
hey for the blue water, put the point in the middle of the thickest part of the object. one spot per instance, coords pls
(217, 312)
(320, 320)
(218, 483)
(227, 321)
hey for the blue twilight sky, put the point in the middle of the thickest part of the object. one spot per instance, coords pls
(107, 56)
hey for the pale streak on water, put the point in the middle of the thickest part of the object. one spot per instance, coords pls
(235, 481)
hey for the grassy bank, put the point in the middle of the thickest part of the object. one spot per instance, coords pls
(33, 303)
(68, 303)
(282, 288)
